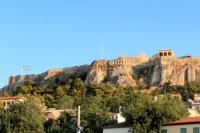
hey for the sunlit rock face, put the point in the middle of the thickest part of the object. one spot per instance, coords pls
(163, 67)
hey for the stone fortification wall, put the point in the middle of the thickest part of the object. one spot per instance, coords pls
(129, 60)
(118, 71)
(178, 71)
(155, 71)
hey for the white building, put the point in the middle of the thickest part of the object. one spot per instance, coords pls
(184, 125)
(119, 128)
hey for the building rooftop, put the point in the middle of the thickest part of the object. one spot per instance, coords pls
(186, 120)
(10, 98)
(165, 49)
(182, 121)
(119, 125)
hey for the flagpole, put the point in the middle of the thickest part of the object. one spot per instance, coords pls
(22, 70)
(102, 53)
(22, 73)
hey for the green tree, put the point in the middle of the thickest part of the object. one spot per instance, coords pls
(59, 92)
(26, 88)
(94, 123)
(64, 124)
(4, 121)
(193, 86)
(65, 102)
(77, 88)
(146, 115)
(49, 100)
(26, 117)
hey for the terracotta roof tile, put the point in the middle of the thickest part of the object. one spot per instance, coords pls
(186, 120)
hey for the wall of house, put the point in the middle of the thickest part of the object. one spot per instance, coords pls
(117, 130)
(176, 128)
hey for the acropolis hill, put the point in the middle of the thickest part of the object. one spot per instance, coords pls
(163, 67)
(153, 71)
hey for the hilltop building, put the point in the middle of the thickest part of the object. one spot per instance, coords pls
(163, 67)
(7, 101)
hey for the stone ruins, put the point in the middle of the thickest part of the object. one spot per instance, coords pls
(163, 67)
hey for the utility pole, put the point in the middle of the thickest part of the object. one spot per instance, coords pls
(120, 110)
(79, 120)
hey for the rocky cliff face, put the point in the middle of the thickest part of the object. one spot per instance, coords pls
(119, 71)
(101, 71)
(51, 75)
(178, 71)
(128, 71)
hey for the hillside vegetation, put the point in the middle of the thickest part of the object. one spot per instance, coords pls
(139, 107)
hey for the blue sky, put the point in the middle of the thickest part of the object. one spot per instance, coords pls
(59, 33)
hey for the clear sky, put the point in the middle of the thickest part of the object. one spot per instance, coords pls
(62, 33)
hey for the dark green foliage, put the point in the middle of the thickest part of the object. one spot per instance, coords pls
(65, 102)
(98, 100)
(187, 91)
(65, 124)
(193, 86)
(101, 90)
(77, 88)
(146, 115)
(135, 77)
(49, 100)
(94, 123)
(26, 116)
(4, 121)
(144, 72)
(94, 114)
(21, 117)
(26, 88)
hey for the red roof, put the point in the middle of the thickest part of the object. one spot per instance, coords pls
(10, 98)
(49, 115)
(186, 120)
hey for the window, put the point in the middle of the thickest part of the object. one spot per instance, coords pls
(169, 54)
(164, 131)
(183, 130)
(195, 130)
(8, 103)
